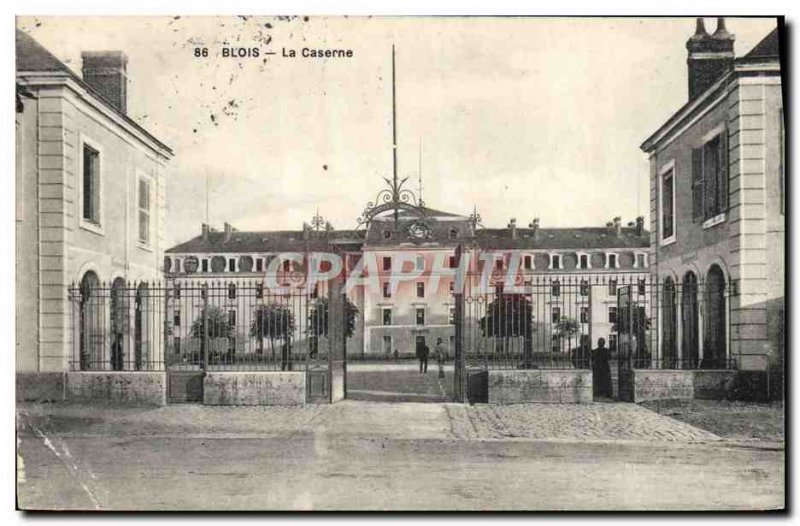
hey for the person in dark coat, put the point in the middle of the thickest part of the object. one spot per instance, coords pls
(441, 356)
(601, 370)
(422, 353)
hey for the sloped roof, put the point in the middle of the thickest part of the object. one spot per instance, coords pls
(768, 48)
(269, 241)
(561, 238)
(32, 56)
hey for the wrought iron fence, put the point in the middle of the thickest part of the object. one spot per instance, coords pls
(556, 322)
(228, 325)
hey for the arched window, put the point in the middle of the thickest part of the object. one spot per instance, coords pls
(119, 323)
(91, 335)
(669, 324)
(714, 340)
(141, 325)
(689, 321)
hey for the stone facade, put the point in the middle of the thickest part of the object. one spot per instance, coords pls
(745, 240)
(145, 388)
(254, 388)
(543, 386)
(62, 120)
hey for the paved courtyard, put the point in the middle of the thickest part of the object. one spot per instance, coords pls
(368, 455)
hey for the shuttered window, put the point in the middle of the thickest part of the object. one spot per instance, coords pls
(144, 211)
(710, 186)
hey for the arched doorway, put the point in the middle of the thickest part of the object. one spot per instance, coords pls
(669, 325)
(91, 337)
(714, 342)
(140, 327)
(690, 321)
(119, 320)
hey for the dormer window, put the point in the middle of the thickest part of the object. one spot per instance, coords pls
(527, 262)
(555, 262)
(259, 264)
(387, 234)
(583, 261)
(641, 260)
(612, 260)
(231, 265)
(453, 233)
(498, 264)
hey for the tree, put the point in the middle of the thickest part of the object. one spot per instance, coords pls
(510, 316)
(218, 327)
(318, 321)
(274, 322)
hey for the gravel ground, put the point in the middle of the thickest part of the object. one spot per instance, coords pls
(735, 420)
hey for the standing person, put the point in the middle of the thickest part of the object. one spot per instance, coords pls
(601, 370)
(422, 353)
(441, 356)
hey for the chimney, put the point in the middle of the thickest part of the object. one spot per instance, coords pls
(512, 227)
(228, 232)
(710, 56)
(205, 229)
(640, 225)
(535, 226)
(106, 72)
(617, 226)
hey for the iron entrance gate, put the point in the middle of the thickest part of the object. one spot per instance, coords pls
(541, 324)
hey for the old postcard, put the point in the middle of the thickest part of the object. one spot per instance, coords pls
(400, 263)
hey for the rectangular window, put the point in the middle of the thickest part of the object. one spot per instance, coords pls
(91, 185)
(556, 259)
(451, 315)
(259, 290)
(612, 342)
(668, 205)
(612, 261)
(231, 265)
(420, 316)
(555, 288)
(555, 315)
(176, 344)
(527, 262)
(641, 260)
(452, 262)
(387, 290)
(584, 288)
(641, 286)
(231, 291)
(452, 287)
(177, 291)
(387, 316)
(177, 265)
(420, 263)
(583, 261)
(204, 265)
(498, 264)
(232, 320)
(259, 264)
(176, 318)
(420, 289)
(612, 315)
(612, 287)
(710, 178)
(144, 211)
(584, 314)
(387, 263)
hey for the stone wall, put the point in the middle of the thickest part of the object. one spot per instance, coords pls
(664, 384)
(40, 387)
(145, 388)
(544, 385)
(254, 388)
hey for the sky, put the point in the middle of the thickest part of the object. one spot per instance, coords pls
(518, 117)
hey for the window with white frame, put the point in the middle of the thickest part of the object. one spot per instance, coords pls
(90, 184)
(555, 261)
(420, 289)
(420, 315)
(584, 314)
(667, 204)
(451, 315)
(583, 261)
(612, 260)
(387, 316)
(387, 290)
(144, 210)
(420, 262)
(387, 263)
(527, 262)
